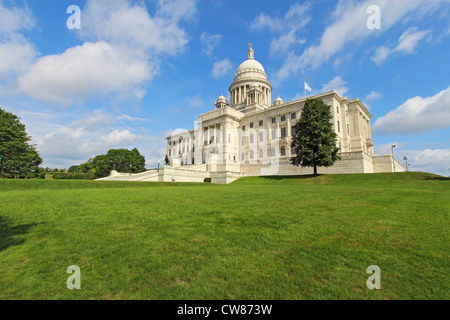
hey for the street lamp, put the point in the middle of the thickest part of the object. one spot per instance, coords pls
(393, 159)
(406, 163)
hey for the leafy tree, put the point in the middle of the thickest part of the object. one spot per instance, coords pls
(314, 143)
(20, 158)
(122, 160)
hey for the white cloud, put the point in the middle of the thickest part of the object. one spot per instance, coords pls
(83, 71)
(337, 84)
(372, 96)
(409, 39)
(124, 50)
(195, 102)
(348, 26)
(14, 19)
(221, 68)
(210, 42)
(16, 52)
(123, 23)
(417, 114)
(427, 160)
(16, 56)
(406, 44)
(288, 26)
(125, 117)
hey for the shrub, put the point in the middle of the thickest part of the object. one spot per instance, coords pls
(75, 176)
(207, 180)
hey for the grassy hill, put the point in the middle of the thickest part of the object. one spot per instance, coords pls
(257, 238)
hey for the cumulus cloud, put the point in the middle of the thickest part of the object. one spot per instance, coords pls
(287, 27)
(221, 68)
(16, 52)
(417, 114)
(83, 71)
(209, 42)
(124, 49)
(427, 160)
(348, 26)
(337, 84)
(406, 44)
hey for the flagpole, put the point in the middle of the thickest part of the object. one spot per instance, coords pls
(304, 86)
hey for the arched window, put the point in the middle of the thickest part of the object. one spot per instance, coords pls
(283, 151)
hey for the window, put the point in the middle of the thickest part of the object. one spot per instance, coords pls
(293, 115)
(261, 137)
(251, 154)
(283, 132)
(251, 124)
(292, 151)
(293, 131)
(243, 128)
(261, 122)
(261, 153)
(337, 108)
(274, 120)
(283, 151)
(243, 156)
(272, 152)
(251, 137)
(274, 134)
(283, 118)
(243, 140)
(348, 129)
(339, 126)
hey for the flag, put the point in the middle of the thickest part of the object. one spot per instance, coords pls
(307, 87)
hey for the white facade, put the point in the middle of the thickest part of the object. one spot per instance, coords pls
(250, 136)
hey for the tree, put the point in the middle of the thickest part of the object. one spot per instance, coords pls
(122, 160)
(20, 158)
(314, 143)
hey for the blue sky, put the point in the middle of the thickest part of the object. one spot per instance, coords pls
(138, 69)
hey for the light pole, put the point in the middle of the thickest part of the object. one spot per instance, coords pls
(393, 159)
(406, 163)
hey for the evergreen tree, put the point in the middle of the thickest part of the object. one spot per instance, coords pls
(19, 158)
(314, 143)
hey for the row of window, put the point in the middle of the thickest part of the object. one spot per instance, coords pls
(274, 120)
(272, 153)
(283, 134)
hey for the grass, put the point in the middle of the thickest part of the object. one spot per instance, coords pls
(257, 238)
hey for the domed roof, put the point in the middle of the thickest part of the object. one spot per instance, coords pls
(250, 68)
(278, 101)
(221, 99)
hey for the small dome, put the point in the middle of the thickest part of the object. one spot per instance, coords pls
(221, 102)
(221, 99)
(278, 101)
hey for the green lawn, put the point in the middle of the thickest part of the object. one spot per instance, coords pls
(257, 238)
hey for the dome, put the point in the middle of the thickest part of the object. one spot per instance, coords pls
(250, 69)
(221, 99)
(221, 102)
(278, 101)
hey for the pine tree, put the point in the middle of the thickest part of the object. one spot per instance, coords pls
(314, 143)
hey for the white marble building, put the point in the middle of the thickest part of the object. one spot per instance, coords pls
(250, 135)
